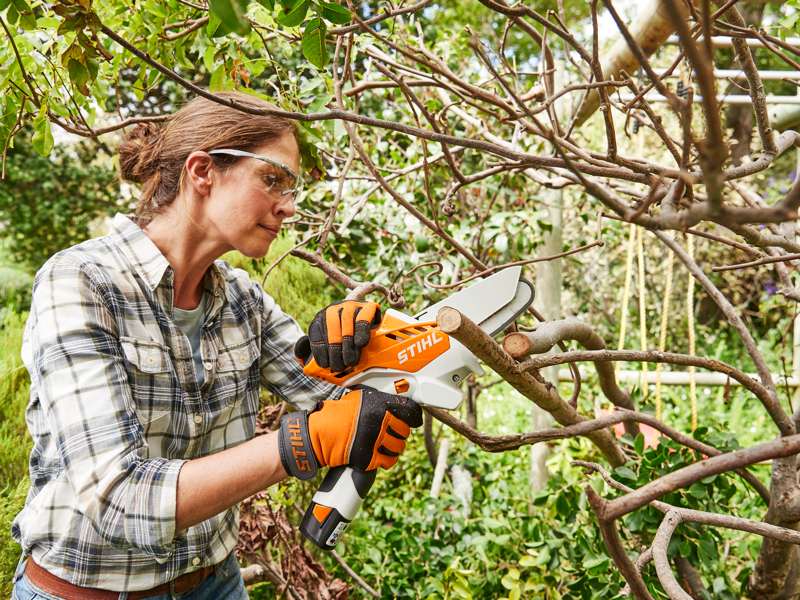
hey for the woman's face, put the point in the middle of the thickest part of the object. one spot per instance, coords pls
(245, 205)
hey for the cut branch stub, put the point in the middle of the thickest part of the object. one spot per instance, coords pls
(544, 395)
(551, 333)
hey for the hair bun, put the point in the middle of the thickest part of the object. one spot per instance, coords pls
(140, 152)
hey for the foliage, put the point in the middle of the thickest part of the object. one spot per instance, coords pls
(14, 390)
(299, 289)
(15, 288)
(512, 545)
(15, 443)
(11, 502)
(724, 493)
(49, 203)
(279, 50)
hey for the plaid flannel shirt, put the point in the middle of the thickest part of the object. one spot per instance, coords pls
(115, 409)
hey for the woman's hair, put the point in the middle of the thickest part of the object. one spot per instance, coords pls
(154, 154)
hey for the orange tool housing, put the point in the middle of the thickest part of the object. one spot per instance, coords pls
(397, 345)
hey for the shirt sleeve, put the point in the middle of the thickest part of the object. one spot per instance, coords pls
(280, 370)
(77, 370)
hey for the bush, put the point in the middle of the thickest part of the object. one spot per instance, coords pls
(16, 286)
(15, 443)
(299, 289)
(49, 203)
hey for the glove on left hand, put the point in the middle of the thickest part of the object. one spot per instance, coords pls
(338, 333)
(365, 429)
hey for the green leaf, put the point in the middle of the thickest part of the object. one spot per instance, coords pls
(12, 15)
(638, 444)
(625, 473)
(42, 140)
(295, 15)
(594, 561)
(93, 66)
(231, 13)
(335, 13)
(79, 75)
(268, 4)
(314, 48)
(4, 4)
(27, 21)
(527, 561)
(73, 52)
(208, 58)
(218, 77)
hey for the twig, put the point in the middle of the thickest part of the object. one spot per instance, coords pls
(355, 576)
(755, 263)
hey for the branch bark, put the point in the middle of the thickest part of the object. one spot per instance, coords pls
(544, 395)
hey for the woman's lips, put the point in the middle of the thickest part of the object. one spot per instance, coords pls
(273, 230)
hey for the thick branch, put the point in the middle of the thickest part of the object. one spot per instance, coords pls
(544, 395)
(549, 334)
(703, 517)
(755, 86)
(653, 356)
(686, 476)
(615, 548)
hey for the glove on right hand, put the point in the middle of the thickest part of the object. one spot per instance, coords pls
(365, 429)
(338, 333)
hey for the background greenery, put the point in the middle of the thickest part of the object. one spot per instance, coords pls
(404, 543)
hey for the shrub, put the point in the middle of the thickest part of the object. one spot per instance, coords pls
(15, 288)
(49, 203)
(299, 289)
(15, 443)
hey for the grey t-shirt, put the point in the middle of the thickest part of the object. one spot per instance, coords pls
(191, 323)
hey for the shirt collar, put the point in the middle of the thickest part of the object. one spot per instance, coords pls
(148, 261)
(142, 253)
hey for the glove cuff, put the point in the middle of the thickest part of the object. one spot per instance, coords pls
(297, 453)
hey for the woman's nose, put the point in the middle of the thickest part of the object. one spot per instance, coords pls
(287, 208)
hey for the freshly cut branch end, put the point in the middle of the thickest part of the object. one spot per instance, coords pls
(517, 345)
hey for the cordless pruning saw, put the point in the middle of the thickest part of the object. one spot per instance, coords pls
(410, 356)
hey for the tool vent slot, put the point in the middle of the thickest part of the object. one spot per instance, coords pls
(344, 373)
(402, 334)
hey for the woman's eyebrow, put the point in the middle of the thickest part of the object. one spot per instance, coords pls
(266, 169)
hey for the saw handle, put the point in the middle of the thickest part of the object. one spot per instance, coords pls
(335, 504)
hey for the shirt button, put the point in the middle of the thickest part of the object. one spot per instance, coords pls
(195, 561)
(198, 418)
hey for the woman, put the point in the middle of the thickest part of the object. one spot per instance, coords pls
(146, 355)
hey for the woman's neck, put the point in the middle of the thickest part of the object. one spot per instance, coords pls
(187, 248)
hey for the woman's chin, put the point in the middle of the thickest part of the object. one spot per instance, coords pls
(255, 248)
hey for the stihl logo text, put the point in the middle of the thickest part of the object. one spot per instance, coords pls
(298, 447)
(419, 346)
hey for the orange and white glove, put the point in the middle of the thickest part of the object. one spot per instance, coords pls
(338, 333)
(365, 429)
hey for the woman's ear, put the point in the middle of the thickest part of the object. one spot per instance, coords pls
(199, 167)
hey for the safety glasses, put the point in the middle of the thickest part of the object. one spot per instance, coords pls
(292, 185)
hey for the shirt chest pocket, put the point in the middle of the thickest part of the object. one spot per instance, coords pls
(237, 373)
(150, 376)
